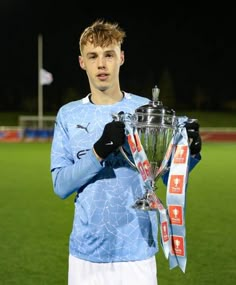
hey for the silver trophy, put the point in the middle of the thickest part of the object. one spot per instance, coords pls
(156, 125)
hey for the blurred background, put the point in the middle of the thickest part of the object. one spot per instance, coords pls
(189, 52)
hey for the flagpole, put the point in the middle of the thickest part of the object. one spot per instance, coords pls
(40, 86)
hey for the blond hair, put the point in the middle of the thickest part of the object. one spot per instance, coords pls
(102, 33)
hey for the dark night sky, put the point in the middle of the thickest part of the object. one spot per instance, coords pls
(196, 45)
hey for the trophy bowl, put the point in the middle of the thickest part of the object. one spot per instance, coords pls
(155, 125)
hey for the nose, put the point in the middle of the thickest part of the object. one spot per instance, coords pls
(101, 62)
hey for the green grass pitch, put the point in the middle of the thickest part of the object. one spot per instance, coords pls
(35, 224)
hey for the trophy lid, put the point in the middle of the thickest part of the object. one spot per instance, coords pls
(155, 113)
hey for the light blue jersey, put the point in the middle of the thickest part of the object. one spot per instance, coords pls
(106, 228)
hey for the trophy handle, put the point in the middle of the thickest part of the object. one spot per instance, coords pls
(126, 157)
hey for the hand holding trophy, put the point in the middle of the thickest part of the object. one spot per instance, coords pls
(159, 142)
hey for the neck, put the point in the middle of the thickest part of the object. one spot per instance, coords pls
(104, 98)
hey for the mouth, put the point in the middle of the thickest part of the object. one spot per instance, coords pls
(102, 76)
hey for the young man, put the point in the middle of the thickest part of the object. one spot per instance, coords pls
(110, 242)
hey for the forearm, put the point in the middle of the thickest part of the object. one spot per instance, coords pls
(69, 179)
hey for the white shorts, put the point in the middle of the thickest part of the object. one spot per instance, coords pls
(83, 272)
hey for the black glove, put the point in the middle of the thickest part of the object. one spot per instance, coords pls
(194, 137)
(113, 136)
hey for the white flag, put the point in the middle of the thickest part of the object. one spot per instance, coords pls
(46, 77)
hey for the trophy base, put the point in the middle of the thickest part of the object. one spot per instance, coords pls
(147, 203)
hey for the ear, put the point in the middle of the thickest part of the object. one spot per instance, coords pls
(81, 62)
(122, 57)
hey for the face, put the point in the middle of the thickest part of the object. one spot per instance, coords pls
(102, 65)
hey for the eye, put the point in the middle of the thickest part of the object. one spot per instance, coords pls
(92, 56)
(109, 55)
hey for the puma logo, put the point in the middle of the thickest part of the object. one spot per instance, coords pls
(82, 127)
